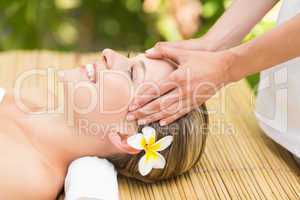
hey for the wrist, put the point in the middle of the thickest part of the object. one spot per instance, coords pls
(241, 62)
(208, 44)
(230, 59)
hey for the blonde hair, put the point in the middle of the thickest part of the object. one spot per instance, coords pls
(189, 136)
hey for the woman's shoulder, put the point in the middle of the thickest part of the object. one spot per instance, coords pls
(23, 174)
(28, 100)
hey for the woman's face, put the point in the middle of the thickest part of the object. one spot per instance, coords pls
(99, 102)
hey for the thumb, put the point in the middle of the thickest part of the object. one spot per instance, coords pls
(174, 54)
(153, 53)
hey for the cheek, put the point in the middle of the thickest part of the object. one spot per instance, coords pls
(115, 92)
(105, 102)
(85, 96)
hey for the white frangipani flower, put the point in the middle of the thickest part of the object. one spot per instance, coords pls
(146, 141)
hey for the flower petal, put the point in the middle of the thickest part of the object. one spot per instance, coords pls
(145, 165)
(136, 141)
(159, 162)
(162, 144)
(149, 134)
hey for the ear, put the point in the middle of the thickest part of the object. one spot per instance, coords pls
(120, 142)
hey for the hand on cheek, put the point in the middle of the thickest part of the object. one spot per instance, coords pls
(198, 77)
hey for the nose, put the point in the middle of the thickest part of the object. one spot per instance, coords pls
(115, 60)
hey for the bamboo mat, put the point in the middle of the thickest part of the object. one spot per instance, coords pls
(239, 162)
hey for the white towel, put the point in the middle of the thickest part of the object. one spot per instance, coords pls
(91, 178)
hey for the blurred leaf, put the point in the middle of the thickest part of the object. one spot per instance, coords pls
(210, 8)
(89, 25)
(133, 5)
(168, 29)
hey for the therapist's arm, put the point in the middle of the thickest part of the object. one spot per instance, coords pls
(277, 46)
(230, 29)
(237, 22)
(201, 73)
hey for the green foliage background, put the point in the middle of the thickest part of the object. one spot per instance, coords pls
(91, 25)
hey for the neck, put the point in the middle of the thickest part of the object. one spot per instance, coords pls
(61, 143)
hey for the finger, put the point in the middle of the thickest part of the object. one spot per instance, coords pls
(154, 53)
(143, 112)
(160, 87)
(175, 80)
(164, 102)
(186, 106)
(161, 115)
(153, 118)
(171, 53)
(179, 109)
(145, 86)
(140, 96)
(172, 118)
(162, 51)
(182, 110)
(191, 44)
(149, 93)
(155, 106)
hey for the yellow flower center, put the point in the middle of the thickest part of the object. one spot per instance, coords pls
(150, 155)
(150, 148)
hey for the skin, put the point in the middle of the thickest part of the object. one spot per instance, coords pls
(37, 149)
(207, 64)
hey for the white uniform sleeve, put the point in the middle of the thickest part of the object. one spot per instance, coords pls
(91, 178)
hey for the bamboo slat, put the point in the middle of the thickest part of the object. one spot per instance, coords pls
(239, 162)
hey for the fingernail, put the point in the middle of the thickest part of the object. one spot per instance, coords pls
(141, 122)
(150, 51)
(130, 117)
(162, 123)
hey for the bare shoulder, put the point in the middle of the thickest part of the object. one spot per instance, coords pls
(23, 175)
(20, 102)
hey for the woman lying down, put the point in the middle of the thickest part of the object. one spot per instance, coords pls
(36, 150)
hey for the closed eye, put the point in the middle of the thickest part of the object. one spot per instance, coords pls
(138, 71)
(130, 72)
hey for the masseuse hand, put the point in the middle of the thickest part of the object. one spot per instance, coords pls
(198, 76)
(202, 44)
